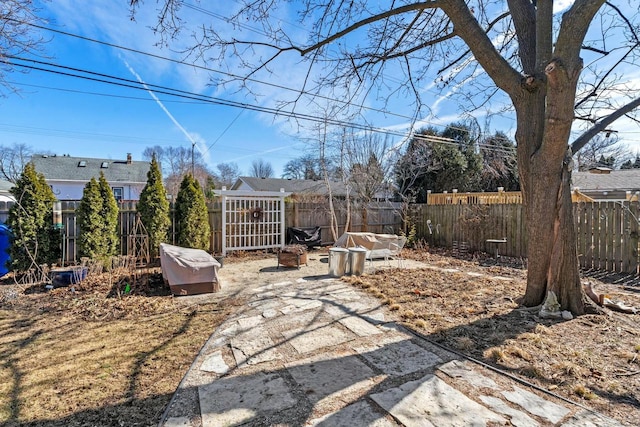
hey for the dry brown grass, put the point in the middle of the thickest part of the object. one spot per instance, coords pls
(89, 357)
(593, 357)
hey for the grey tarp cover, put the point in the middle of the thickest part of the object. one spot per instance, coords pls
(185, 266)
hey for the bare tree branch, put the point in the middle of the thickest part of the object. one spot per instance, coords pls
(17, 35)
(602, 125)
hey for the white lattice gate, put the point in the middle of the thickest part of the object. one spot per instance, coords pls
(252, 219)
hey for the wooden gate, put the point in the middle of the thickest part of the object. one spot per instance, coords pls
(252, 219)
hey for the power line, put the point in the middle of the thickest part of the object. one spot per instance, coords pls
(231, 75)
(205, 99)
(201, 98)
(121, 82)
(205, 68)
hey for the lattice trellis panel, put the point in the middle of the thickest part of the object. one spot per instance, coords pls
(252, 220)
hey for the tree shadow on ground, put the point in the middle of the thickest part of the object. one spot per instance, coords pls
(22, 334)
(300, 387)
(135, 412)
(628, 281)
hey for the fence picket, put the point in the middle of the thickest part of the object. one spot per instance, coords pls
(384, 217)
(607, 233)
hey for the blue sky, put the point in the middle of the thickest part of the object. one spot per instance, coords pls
(68, 115)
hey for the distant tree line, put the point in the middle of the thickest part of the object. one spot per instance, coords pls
(455, 159)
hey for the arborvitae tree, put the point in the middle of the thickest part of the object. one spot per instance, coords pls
(210, 186)
(34, 240)
(109, 217)
(627, 165)
(92, 241)
(153, 208)
(192, 216)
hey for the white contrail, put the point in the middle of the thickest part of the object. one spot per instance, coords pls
(200, 144)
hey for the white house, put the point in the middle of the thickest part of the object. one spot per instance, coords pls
(5, 191)
(67, 176)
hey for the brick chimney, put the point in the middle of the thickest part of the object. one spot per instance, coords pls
(128, 158)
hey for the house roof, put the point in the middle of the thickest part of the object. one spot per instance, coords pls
(5, 186)
(82, 169)
(625, 180)
(295, 186)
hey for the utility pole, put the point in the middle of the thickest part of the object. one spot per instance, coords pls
(193, 164)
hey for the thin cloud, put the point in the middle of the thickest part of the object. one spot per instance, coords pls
(195, 139)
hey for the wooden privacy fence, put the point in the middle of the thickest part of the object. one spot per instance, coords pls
(607, 232)
(500, 197)
(608, 236)
(381, 218)
(442, 225)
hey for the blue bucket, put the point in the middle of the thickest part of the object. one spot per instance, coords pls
(5, 244)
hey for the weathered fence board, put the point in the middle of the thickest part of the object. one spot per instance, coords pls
(607, 232)
(382, 218)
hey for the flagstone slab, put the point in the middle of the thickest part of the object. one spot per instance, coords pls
(232, 401)
(253, 347)
(266, 304)
(462, 370)
(536, 405)
(270, 313)
(250, 322)
(360, 326)
(376, 317)
(321, 377)
(178, 422)
(357, 414)
(431, 402)
(398, 357)
(590, 419)
(346, 308)
(301, 303)
(215, 363)
(517, 418)
(307, 341)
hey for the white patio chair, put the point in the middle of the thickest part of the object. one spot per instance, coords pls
(395, 250)
(379, 250)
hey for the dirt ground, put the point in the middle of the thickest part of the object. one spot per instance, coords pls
(471, 306)
(127, 351)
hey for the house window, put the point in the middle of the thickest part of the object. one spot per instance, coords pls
(104, 165)
(117, 193)
(82, 164)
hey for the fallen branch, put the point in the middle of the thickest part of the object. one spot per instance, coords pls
(604, 301)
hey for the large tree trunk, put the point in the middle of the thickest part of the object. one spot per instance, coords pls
(545, 170)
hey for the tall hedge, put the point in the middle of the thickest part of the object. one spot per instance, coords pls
(153, 208)
(192, 216)
(109, 217)
(98, 220)
(34, 240)
(91, 241)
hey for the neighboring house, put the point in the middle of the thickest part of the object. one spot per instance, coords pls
(299, 188)
(5, 191)
(67, 176)
(606, 184)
